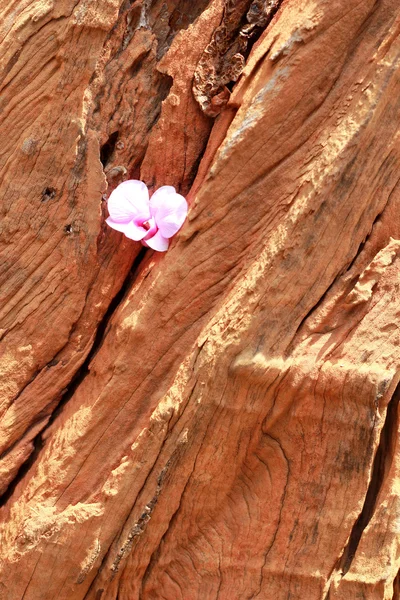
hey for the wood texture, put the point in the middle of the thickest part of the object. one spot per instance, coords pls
(220, 421)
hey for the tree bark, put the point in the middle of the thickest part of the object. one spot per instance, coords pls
(219, 421)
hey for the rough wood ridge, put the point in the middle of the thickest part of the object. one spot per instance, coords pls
(220, 421)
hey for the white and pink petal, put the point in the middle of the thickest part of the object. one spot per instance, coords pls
(130, 200)
(132, 231)
(169, 210)
(159, 196)
(157, 242)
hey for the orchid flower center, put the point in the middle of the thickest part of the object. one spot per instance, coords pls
(149, 225)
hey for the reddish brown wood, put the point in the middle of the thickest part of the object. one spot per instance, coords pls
(220, 421)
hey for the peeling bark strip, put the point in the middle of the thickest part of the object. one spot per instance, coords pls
(222, 421)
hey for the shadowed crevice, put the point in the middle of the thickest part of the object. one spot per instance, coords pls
(396, 587)
(107, 149)
(38, 441)
(380, 468)
(184, 13)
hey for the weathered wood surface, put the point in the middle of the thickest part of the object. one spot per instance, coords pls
(231, 431)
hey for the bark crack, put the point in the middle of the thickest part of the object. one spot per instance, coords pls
(380, 468)
(155, 554)
(77, 379)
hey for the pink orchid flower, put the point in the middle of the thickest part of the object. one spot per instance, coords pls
(152, 221)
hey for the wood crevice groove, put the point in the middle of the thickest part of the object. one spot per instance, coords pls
(345, 272)
(271, 544)
(156, 552)
(76, 380)
(396, 587)
(375, 222)
(152, 503)
(380, 468)
(140, 524)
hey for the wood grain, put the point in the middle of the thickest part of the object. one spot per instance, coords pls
(233, 433)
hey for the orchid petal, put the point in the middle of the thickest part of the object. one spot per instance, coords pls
(163, 191)
(130, 200)
(169, 210)
(132, 231)
(157, 242)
